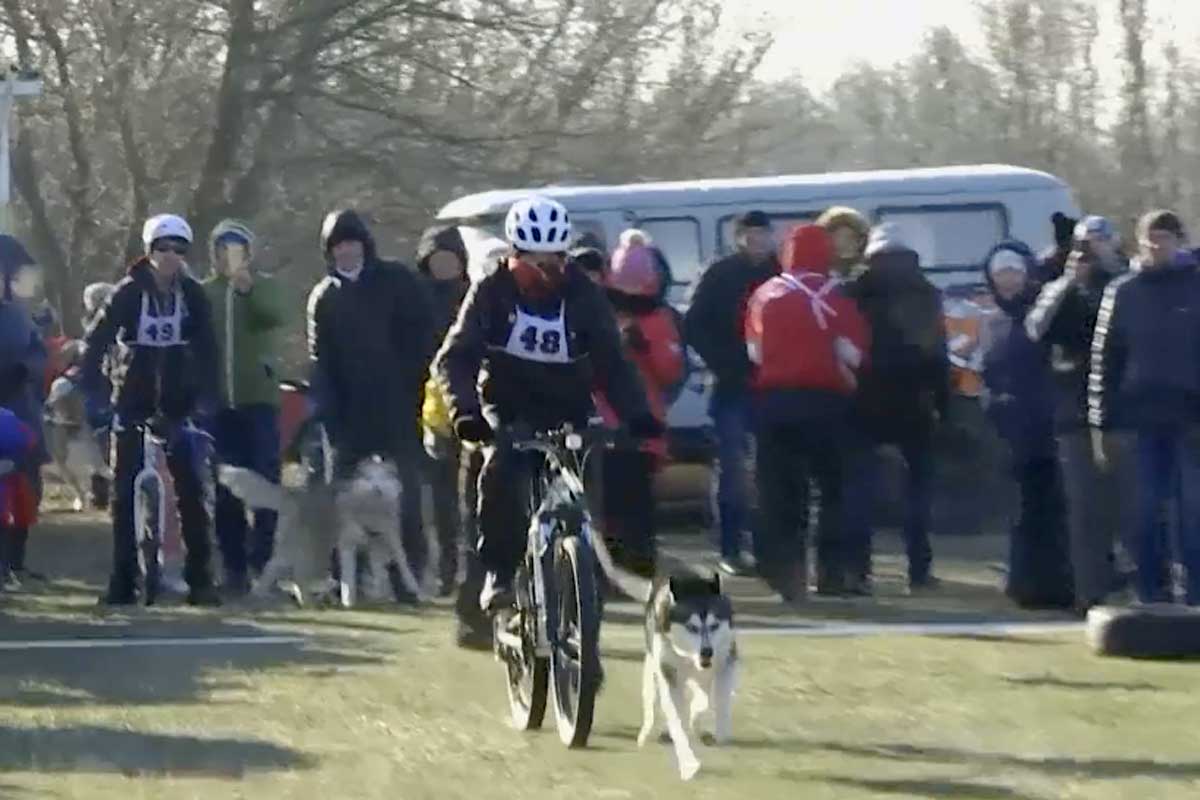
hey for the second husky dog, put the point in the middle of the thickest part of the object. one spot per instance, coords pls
(359, 513)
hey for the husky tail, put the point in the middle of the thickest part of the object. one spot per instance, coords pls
(635, 586)
(251, 488)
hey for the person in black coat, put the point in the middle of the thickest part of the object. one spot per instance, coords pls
(531, 342)
(1146, 377)
(163, 372)
(442, 262)
(713, 328)
(370, 337)
(1020, 396)
(1064, 317)
(902, 395)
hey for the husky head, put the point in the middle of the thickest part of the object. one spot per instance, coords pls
(696, 616)
(375, 480)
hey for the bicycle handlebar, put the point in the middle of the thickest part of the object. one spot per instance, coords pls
(566, 438)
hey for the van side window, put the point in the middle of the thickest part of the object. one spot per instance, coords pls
(782, 223)
(950, 237)
(679, 240)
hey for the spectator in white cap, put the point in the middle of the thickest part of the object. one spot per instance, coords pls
(900, 397)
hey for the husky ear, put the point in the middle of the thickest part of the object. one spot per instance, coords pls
(671, 587)
(716, 583)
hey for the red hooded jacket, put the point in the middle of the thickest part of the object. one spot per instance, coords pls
(802, 331)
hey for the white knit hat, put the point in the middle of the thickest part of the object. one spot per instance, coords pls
(885, 236)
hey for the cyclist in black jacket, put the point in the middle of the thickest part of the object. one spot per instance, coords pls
(537, 336)
(163, 372)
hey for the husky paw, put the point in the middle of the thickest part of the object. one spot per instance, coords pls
(77, 506)
(688, 769)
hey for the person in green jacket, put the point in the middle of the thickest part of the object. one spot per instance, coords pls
(248, 312)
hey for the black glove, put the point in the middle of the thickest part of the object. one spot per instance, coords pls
(635, 340)
(646, 426)
(472, 428)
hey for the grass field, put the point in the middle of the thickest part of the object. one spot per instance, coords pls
(378, 704)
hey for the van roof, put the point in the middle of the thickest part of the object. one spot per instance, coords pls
(829, 186)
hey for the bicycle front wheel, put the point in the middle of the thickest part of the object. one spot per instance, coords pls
(575, 655)
(149, 542)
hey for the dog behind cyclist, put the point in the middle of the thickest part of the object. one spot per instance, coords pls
(159, 324)
(537, 335)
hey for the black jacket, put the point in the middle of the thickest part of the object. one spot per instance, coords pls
(148, 380)
(369, 342)
(1016, 369)
(1064, 317)
(478, 375)
(713, 324)
(908, 378)
(446, 295)
(1146, 352)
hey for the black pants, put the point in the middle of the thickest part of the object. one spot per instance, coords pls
(466, 606)
(1039, 565)
(247, 436)
(503, 508)
(444, 483)
(193, 516)
(787, 457)
(627, 497)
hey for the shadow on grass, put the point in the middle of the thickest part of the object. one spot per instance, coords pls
(1100, 768)
(958, 790)
(1050, 682)
(98, 749)
(153, 674)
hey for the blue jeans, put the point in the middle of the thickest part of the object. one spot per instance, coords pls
(246, 436)
(731, 420)
(860, 495)
(1168, 469)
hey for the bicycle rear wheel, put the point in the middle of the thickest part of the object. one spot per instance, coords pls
(527, 674)
(575, 654)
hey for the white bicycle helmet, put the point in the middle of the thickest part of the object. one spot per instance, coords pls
(538, 225)
(162, 226)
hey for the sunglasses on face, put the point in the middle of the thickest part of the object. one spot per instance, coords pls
(178, 248)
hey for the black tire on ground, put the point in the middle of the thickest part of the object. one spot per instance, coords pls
(1161, 631)
(575, 660)
(527, 675)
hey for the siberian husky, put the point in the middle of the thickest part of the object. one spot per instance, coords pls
(691, 656)
(70, 441)
(359, 513)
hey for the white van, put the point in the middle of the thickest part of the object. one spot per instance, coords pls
(951, 215)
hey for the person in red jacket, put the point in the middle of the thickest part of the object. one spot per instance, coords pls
(808, 342)
(650, 337)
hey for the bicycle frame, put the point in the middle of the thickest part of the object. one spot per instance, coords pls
(565, 457)
(152, 446)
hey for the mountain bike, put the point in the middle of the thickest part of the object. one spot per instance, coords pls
(150, 497)
(549, 640)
